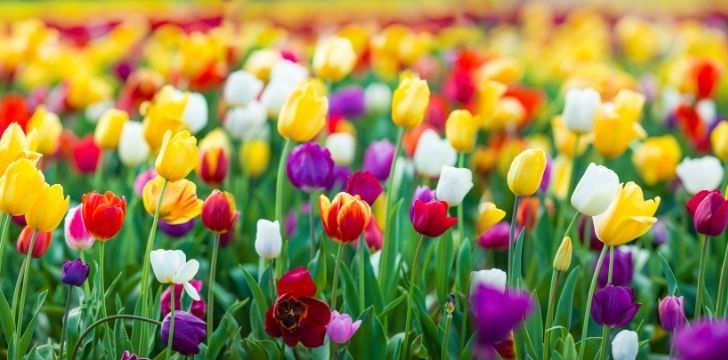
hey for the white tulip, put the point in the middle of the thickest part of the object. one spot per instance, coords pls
(288, 71)
(703, 173)
(580, 108)
(172, 267)
(454, 184)
(342, 147)
(377, 97)
(195, 114)
(242, 121)
(595, 191)
(625, 345)
(275, 95)
(268, 239)
(133, 148)
(241, 87)
(495, 278)
(432, 153)
(95, 110)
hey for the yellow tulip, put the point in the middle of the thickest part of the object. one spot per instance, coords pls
(19, 187)
(508, 114)
(178, 155)
(179, 204)
(409, 102)
(14, 145)
(628, 104)
(627, 218)
(108, 129)
(334, 58)
(255, 156)
(526, 171)
(461, 130)
(164, 113)
(488, 216)
(48, 128)
(379, 209)
(657, 158)
(562, 260)
(502, 70)
(303, 115)
(617, 126)
(49, 208)
(719, 141)
(487, 96)
(565, 140)
(85, 89)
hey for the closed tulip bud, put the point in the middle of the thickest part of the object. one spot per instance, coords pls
(48, 127)
(177, 156)
(699, 174)
(655, 160)
(487, 96)
(74, 272)
(133, 149)
(103, 214)
(303, 115)
(310, 167)
(595, 190)
(347, 103)
(671, 312)
(342, 147)
(14, 145)
(41, 245)
(432, 153)
(109, 128)
(409, 102)
(580, 108)
(719, 140)
(218, 211)
(254, 157)
(364, 184)
(76, 234)
(454, 184)
(431, 218)
(377, 97)
(709, 210)
(334, 58)
(19, 187)
(614, 306)
(213, 166)
(378, 158)
(489, 215)
(625, 345)
(268, 239)
(244, 122)
(628, 217)
(461, 130)
(189, 332)
(494, 278)
(340, 328)
(179, 203)
(562, 260)
(526, 171)
(241, 87)
(49, 208)
(344, 218)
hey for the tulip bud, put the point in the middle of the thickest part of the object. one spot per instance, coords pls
(454, 184)
(76, 234)
(334, 58)
(268, 239)
(218, 211)
(41, 245)
(342, 147)
(340, 328)
(655, 160)
(213, 166)
(489, 215)
(709, 210)
(431, 218)
(310, 167)
(86, 155)
(19, 187)
(177, 156)
(614, 306)
(672, 313)
(461, 130)
(487, 96)
(719, 141)
(241, 87)
(378, 158)
(103, 214)
(625, 345)
(254, 157)
(595, 190)
(303, 114)
(409, 102)
(133, 148)
(74, 272)
(347, 103)
(364, 184)
(16, 145)
(109, 128)
(261, 62)
(698, 174)
(580, 108)
(562, 260)
(189, 332)
(526, 171)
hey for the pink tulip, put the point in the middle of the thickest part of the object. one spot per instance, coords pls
(340, 328)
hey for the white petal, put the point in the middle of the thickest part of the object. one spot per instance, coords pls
(191, 291)
(186, 272)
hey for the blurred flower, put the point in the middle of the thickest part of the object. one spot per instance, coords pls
(706, 74)
(285, 77)
(422, 193)
(19, 187)
(86, 155)
(195, 112)
(344, 218)
(348, 102)
(49, 208)
(565, 139)
(487, 96)
(189, 332)
(303, 114)
(333, 58)
(103, 214)
(41, 245)
(218, 211)
(497, 313)
(268, 239)
(704, 339)
(719, 140)
(623, 270)
(431, 218)
(13, 110)
(342, 147)
(341, 328)
(109, 128)
(409, 102)
(496, 237)
(580, 109)
(461, 130)
(179, 203)
(142, 179)
(48, 128)
(74, 272)
(378, 97)
(378, 158)
(133, 149)
(596, 190)
(213, 166)
(432, 153)
(177, 156)
(488, 215)
(617, 124)
(373, 235)
(526, 171)
(625, 345)
(709, 210)
(15, 144)
(310, 167)
(627, 218)
(655, 160)
(365, 185)
(76, 235)
(454, 184)
(528, 212)
(562, 259)
(698, 174)
(164, 113)
(494, 278)
(254, 157)
(241, 87)
(671, 311)
(614, 306)
(244, 122)
(340, 177)
(177, 230)
(172, 267)
(198, 307)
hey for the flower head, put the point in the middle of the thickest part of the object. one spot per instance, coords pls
(580, 109)
(341, 328)
(218, 211)
(627, 218)
(76, 234)
(364, 184)
(497, 313)
(303, 114)
(109, 128)
(334, 58)
(378, 158)
(704, 173)
(104, 214)
(526, 171)
(625, 345)
(431, 218)
(19, 187)
(268, 240)
(310, 167)
(40, 247)
(177, 155)
(595, 191)
(344, 218)
(74, 272)
(179, 203)
(49, 208)
(709, 210)
(172, 267)
(671, 311)
(622, 271)
(614, 306)
(189, 332)
(705, 339)
(409, 102)
(454, 184)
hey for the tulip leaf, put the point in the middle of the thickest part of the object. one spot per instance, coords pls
(6, 318)
(669, 275)
(225, 329)
(253, 350)
(463, 268)
(41, 352)
(392, 305)
(515, 279)
(394, 346)
(387, 262)
(368, 342)
(443, 264)
(432, 333)
(257, 293)
(318, 266)
(534, 328)
(569, 348)
(467, 353)
(28, 333)
(565, 305)
(592, 348)
(351, 293)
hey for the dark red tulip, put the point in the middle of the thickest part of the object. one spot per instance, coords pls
(709, 210)
(431, 218)
(218, 211)
(364, 184)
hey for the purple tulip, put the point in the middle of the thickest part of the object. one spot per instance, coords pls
(74, 272)
(703, 340)
(189, 332)
(378, 158)
(340, 328)
(622, 272)
(497, 236)
(422, 193)
(546, 178)
(497, 313)
(672, 313)
(614, 306)
(142, 179)
(310, 167)
(126, 355)
(364, 184)
(709, 210)
(176, 230)
(340, 178)
(347, 102)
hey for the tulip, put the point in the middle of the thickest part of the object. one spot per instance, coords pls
(74, 272)
(709, 210)
(213, 166)
(699, 174)
(622, 271)
(565, 139)
(627, 218)
(496, 237)
(41, 245)
(254, 157)
(177, 156)
(218, 211)
(432, 154)
(422, 193)
(431, 218)
(341, 175)
(189, 332)
(76, 234)
(562, 259)
(342, 147)
(618, 125)
(671, 312)
(244, 122)
(48, 127)
(378, 158)
(133, 149)
(19, 187)
(177, 230)
(488, 215)
(497, 313)
(340, 327)
(49, 208)
(493, 278)
(377, 97)
(268, 239)
(409, 102)
(172, 267)
(656, 159)
(126, 355)
(625, 345)
(373, 235)
(198, 308)
(179, 203)
(580, 109)
(195, 112)
(109, 128)
(461, 130)
(103, 214)
(719, 140)
(454, 184)
(487, 96)
(86, 155)
(365, 185)
(347, 102)
(595, 191)
(261, 61)
(164, 113)
(334, 58)
(13, 110)
(142, 179)
(14, 145)
(704, 339)
(526, 171)
(614, 306)
(706, 74)
(241, 87)
(344, 218)
(310, 167)
(303, 115)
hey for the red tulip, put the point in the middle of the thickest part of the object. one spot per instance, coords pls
(42, 242)
(103, 214)
(364, 184)
(218, 212)
(13, 109)
(431, 218)
(707, 77)
(213, 166)
(344, 218)
(86, 155)
(709, 210)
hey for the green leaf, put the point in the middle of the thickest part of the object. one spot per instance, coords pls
(41, 352)
(392, 305)
(534, 328)
(517, 275)
(7, 320)
(669, 275)
(318, 268)
(225, 329)
(463, 268)
(28, 333)
(569, 349)
(373, 292)
(387, 262)
(369, 340)
(351, 293)
(566, 300)
(593, 345)
(432, 333)
(443, 264)
(257, 293)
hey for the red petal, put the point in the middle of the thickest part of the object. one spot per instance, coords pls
(693, 203)
(297, 282)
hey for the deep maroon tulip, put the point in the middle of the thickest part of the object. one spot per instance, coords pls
(378, 158)
(614, 306)
(431, 218)
(198, 308)
(177, 230)
(310, 167)
(20, 220)
(189, 332)
(364, 184)
(497, 313)
(74, 272)
(623, 270)
(709, 210)
(339, 179)
(496, 237)
(347, 102)
(704, 340)
(672, 313)
(422, 193)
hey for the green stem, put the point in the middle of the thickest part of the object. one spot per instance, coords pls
(720, 308)
(571, 225)
(171, 321)
(389, 246)
(585, 323)
(79, 342)
(86, 288)
(6, 224)
(279, 202)
(443, 351)
(335, 283)
(611, 265)
(701, 277)
(24, 287)
(605, 341)
(101, 279)
(410, 296)
(210, 285)
(550, 315)
(464, 326)
(65, 320)
(461, 225)
(362, 287)
(511, 240)
(312, 232)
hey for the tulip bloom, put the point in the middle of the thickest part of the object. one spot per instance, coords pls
(254, 157)
(488, 215)
(268, 239)
(48, 127)
(104, 214)
(409, 102)
(704, 173)
(377, 97)
(627, 218)
(86, 155)
(303, 115)
(344, 218)
(164, 113)
(709, 210)
(189, 332)
(431, 218)
(719, 140)
(218, 211)
(179, 203)
(365, 185)
(454, 184)
(213, 166)
(340, 327)
(296, 315)
(198, 308)
(133, 149)
(41, 245)
(655, 160)
(74, 272)
(595, 191)
(618, 125)
(378, 158)
(177, 230)
(622, 272)
(671, 312)
(580, 109)
(177, 156)
(614, 306)
(310, 167)
(76, 234)
(19, 187)
(334, 58)
(625, 345)
(49, 208)
(461, 130)
(245, 122)
(109, 128)
(526, 171)
(15, 144)
(705, 339)
(347, 102)
(432, 153)
(172, 267)
(241, 87)
(497, 313)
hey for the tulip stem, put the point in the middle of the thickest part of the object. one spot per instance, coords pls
(410, 296)
(701, 277)
(389, 246)
(312, 232)
(24, 287)
(550, 315)
(210, 285)
(585, 323)
(443, 351)
(720, 308)
(86, 288)
(511, 240)
(362, 287)
(171, 321)
(611, 264)
(79, 342)
(335, 283)
(65, 320)
(101, 279)
(6, 224)
(279, 201)
(99, 170)
(461, 226)
(605, 340)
